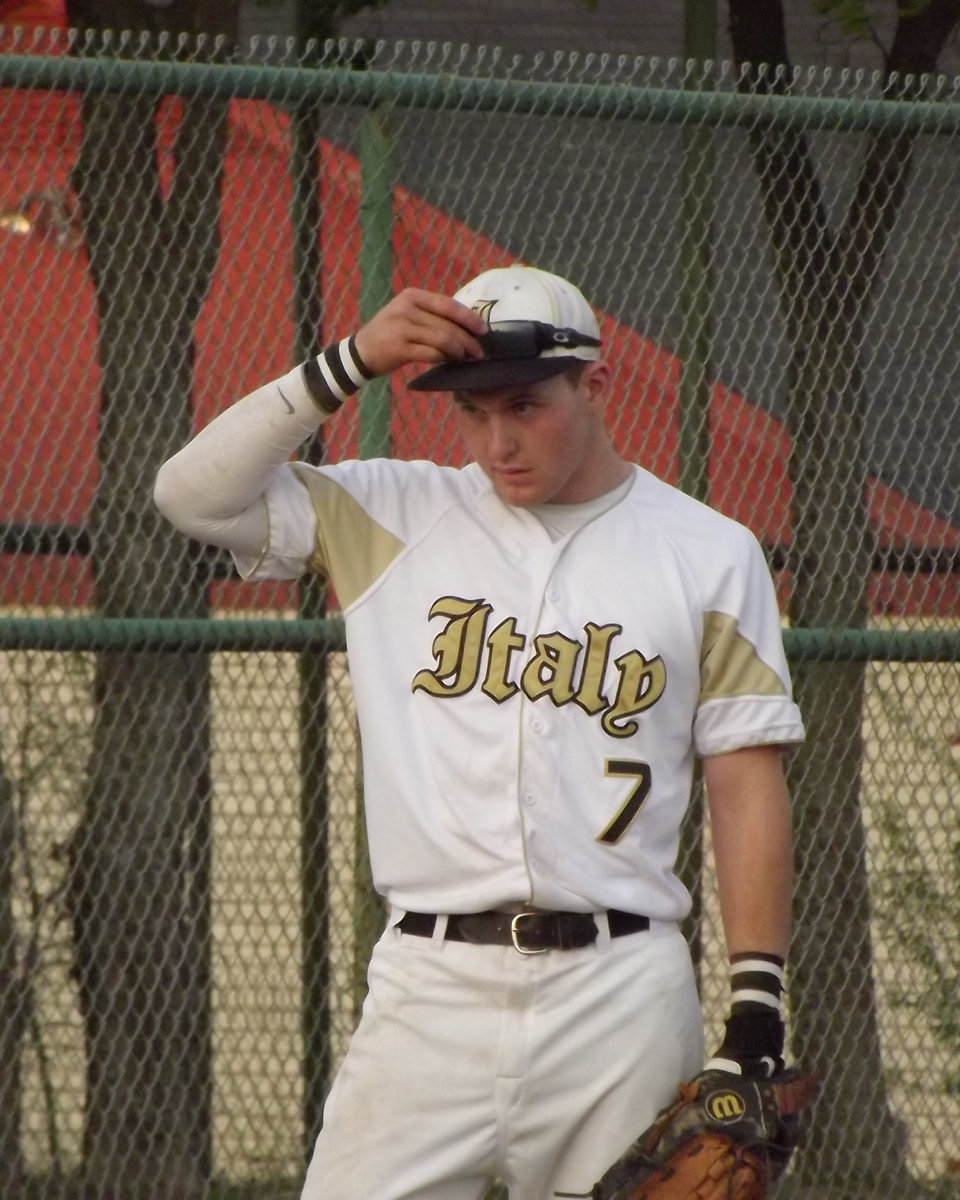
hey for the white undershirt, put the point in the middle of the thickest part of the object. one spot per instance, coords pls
(559, 520)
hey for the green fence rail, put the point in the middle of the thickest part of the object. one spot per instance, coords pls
(223, 635)
(602, 101)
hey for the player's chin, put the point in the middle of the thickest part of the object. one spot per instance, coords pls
(519, 488)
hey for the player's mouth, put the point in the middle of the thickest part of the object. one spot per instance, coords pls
(514, 478)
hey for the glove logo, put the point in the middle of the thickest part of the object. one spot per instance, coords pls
(725, 1106)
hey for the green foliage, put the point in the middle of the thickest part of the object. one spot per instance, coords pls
(851, 15)
(916, 890)
(328, 13)
(46, 699)
(856, 17)
(320, 20)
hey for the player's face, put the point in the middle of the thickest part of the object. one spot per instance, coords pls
(544, 442)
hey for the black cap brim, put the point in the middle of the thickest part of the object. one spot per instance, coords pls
(485, 374)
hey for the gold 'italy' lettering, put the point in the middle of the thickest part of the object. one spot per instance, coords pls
(589, 695)
(551, 669)
(641, 685)
(457, 648)
(554, 670)
(502, 643)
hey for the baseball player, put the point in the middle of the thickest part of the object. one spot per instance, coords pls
(540, 644)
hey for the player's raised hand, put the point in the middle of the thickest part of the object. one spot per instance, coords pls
(417, 326)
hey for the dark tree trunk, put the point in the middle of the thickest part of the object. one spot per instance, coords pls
(826, 283)
(13, 1006)
(139, 858)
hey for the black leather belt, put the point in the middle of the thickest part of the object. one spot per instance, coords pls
(528, 932)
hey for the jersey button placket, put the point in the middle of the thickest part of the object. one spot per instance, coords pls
(537, 785)
(531, 781)
(535, 770)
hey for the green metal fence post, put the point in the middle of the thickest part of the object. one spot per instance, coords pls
(376, 288)
(376, 264)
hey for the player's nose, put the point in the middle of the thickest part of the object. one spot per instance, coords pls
(501, 440)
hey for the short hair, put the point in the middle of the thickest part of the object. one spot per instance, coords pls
(574, 372)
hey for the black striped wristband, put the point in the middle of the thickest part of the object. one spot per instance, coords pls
(755, 979)
(335, 375)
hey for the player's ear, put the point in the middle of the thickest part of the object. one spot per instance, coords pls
(597, 380)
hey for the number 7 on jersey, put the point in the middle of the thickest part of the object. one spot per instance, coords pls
(631, 806)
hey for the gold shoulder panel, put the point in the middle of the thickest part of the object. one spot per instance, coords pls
(352, 550)
(729, 663)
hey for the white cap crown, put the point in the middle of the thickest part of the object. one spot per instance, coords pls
(528, 294)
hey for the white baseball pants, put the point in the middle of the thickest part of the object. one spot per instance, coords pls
(477, 1062)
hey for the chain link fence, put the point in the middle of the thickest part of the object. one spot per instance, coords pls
(184, 907)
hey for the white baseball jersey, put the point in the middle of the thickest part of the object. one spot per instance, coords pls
(530, 708)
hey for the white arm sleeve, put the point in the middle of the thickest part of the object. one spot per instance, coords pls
(213, 489)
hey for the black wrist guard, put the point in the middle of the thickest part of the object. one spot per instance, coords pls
(752, 1033)
(752, 1044)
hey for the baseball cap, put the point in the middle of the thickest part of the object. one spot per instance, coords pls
(540, 325)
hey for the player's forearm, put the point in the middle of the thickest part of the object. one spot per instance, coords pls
(750, 821)
(211, 489)
(755, 905)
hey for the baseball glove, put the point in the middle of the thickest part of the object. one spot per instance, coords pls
(725, 1137)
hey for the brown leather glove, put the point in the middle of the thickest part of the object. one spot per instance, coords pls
(726, 1137)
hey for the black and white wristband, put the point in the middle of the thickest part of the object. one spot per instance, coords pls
(755, 979)
(335, 375)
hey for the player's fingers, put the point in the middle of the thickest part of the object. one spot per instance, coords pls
(427, 353)
(385, 347)
(449, 338)
(446, 308)
(438, 321)
(417, 326)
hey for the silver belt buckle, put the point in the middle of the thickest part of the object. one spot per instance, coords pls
(515, 934)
